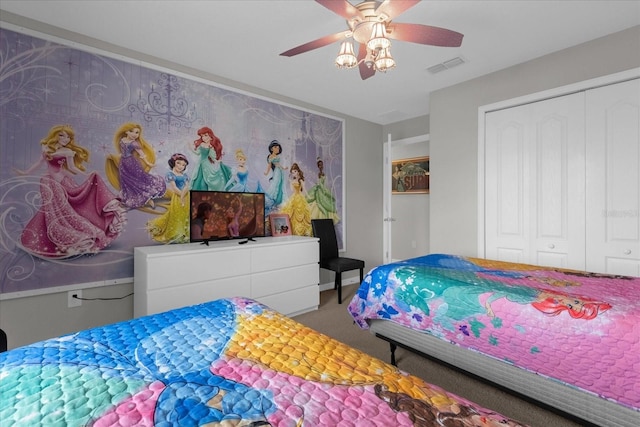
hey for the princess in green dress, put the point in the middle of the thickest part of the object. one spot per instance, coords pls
(321, 201)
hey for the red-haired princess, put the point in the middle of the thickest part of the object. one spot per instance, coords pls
(577, 307)
(73, 219)
(210, 173)
(462, 288)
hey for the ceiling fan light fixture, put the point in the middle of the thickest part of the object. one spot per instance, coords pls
(378, 40)
(384, 61)
(370, 25)
(346, 57)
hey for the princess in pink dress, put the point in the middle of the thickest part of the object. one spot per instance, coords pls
(72, 219)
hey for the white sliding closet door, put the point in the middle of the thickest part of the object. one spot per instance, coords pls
(534, 183)
(613, 178)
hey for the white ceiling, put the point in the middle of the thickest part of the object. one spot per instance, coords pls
(241, 40)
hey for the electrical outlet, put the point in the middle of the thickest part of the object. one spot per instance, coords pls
(72, 301)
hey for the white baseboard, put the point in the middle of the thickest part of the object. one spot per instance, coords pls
(345, 282)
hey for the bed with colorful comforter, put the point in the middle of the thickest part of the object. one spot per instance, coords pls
(570, 332)
(231, 362)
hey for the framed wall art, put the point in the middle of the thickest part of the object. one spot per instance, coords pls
(410, 176)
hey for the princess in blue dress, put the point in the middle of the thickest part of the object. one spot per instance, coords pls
(239, 181)
(276, 193)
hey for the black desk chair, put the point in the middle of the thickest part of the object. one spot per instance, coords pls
(3, 341)
(329, 258)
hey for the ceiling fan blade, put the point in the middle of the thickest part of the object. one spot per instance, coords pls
(365, 71)
(424, 34)
(341, 7)
(323, 41)
(394, 8)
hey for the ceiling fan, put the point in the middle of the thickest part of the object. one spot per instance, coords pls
(371, 27)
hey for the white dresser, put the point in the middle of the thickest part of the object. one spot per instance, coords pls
(281, 272)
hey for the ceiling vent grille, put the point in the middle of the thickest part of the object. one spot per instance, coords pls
(434, 69)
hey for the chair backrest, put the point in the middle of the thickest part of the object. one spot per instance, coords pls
(326, 232)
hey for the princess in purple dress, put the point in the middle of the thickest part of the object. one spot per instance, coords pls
(72, 219)
(128, 171)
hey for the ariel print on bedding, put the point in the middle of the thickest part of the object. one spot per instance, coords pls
(580, 328)
(228, 362)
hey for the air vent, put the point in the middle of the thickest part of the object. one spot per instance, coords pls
(446, 65)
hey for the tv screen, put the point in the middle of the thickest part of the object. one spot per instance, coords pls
(218, 215)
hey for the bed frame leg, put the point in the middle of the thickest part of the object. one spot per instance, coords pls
(393, 347)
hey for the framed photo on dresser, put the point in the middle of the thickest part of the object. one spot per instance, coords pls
(280, 225)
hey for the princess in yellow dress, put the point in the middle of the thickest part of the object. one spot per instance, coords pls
(296, 206)
(173, 225)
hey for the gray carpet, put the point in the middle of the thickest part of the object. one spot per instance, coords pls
(332, 319)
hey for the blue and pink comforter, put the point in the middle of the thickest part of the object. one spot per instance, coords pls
(231, 362)
(580, 328)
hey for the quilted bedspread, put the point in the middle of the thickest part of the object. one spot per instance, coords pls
(580, 328)
(231, 362)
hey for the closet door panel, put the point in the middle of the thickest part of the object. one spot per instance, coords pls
(613, 178)
(558, 153)
(506, 183)
(534, 183)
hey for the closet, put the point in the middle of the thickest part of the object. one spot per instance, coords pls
(562, 180)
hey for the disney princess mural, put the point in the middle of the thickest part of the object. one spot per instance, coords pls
(276, 193)
(173, 225)
(72, 219)
(320, 198)
(240, 181)
(129, 170)
(65, 205)
(210, 172)
(296, 206)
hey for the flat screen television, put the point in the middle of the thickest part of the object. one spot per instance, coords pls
(221, 215)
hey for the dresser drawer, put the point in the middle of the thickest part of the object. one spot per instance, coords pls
(283, 256)
(286, 279)
(293, 302)
(170, 271)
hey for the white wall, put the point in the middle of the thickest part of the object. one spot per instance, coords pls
(406, 128)
(454, 127)
(30, 319)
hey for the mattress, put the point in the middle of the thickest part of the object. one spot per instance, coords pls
(228, 362)
(581, 330)
(570, 400)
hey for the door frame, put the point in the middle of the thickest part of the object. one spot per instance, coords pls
(387, 214)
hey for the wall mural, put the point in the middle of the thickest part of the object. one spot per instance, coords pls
(98, 154)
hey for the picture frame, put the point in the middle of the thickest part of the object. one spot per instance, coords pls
(280, 225)
(410, 176)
